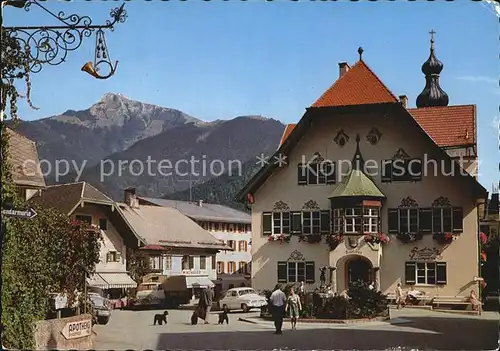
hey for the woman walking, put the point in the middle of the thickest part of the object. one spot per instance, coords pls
(294, 307)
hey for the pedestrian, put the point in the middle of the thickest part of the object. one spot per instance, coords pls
(205, 303)
(294, 307)
(278, 301)
(399, 296)
(302, 289)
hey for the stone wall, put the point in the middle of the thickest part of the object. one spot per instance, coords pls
(48, 335)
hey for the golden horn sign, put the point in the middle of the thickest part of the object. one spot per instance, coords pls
(89, 68)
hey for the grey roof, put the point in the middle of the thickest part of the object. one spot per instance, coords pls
(168, 227)
(206, 212)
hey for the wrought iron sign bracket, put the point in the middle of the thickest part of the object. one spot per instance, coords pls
(51, 44)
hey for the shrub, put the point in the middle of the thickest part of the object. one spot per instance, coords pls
(365, 302)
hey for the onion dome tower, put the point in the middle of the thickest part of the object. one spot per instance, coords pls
(432, 95)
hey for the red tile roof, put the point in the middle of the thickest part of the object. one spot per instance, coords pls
(448, 125)
(286, 132)
(358, 86)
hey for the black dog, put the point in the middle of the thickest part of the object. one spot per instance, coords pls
(194, 318)
(223, 316)
(161, 318)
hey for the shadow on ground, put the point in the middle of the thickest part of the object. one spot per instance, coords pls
(420, 333)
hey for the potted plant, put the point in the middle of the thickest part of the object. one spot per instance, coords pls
(281, 238)
(310, 238)
(409, 237)
(443, 238)
(334, 240)
(379, 238)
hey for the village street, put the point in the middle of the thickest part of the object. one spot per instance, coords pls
(407, 327)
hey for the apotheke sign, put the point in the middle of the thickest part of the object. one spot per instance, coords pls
(78, 329)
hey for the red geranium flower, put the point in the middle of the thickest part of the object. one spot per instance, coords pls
(483, 238)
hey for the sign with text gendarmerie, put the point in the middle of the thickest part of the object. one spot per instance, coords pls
(77, 329)
(19, 213)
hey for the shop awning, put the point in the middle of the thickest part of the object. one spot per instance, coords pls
(112, 281)
(199, 282)
(97, 281)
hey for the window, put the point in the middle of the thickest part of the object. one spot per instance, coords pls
(156, 262)
(352, 220)
(103, 223)
(113, 256)
(432, 273)
(191, 262)
(242, 267)
(370, 220)
(84, 218)
(294, 272)
(168, 262)
(220, 267)
(242, 246)
(311, 222)
(203, 262)
(231, 244)
(425, 220)
(337, 220)
(185, 262)
(299, 222)
(231, 267)
(316, 173)
(401, 170)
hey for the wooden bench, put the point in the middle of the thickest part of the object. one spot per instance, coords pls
(422, 300)
(451, 301)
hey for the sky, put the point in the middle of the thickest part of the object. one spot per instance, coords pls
(219, 60)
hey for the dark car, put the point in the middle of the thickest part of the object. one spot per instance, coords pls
(101, 310)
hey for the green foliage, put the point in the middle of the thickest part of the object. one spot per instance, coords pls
(138, 264)
(365, 302)
(46, 254)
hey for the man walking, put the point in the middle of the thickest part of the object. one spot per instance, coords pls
(278, 301)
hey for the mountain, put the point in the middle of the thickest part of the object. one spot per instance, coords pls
(166, 163)
(111, 125)
(117, 136)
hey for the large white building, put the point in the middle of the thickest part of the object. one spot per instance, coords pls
(231, 226)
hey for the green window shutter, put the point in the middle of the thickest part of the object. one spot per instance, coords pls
(325, 222)
(410, 273)
(425, 220)
(458, 220)
(310, 272)
(282, 272)
(296, 218)
(267, 223)
(393, 220)
(441, 273)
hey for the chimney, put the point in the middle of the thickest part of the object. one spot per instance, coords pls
(200, 203)
(343, 68)
(130, 198)
(404, 100)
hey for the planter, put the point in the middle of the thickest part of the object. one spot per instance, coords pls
(281, 238)
(310, 238)
(334, 240)
(443, 238)
(409, 237)
(379, 238)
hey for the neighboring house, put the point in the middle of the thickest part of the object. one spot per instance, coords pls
(25, 164)
(358, 121)
(231, 226)
(175, 244)
(81, 201)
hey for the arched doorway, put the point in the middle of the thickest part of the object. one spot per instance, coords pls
(358, 268)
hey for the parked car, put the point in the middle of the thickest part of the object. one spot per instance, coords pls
(149, 294)
(242, 298)
(101, 309)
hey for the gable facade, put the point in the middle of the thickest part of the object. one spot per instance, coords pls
(406, 214)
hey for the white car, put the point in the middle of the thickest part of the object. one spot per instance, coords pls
(242, 299)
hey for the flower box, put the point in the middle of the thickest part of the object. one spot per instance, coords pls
(310, 238)
(334, 240)
(443, 238)
(379, 238)
(483, 238)
(281, 238)
(409, 237)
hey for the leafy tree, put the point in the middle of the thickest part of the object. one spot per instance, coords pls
(46, 254)
(138, 264)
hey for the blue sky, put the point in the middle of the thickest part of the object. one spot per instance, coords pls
(223, 59)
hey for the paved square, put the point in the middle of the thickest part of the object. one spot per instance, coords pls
(410, 328)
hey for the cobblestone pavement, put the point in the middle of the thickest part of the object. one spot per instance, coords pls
(410, 328)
